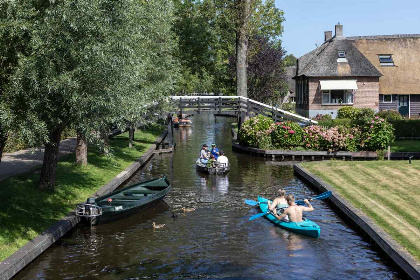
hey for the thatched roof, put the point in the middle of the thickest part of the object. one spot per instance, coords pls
(290, 73)
(404, 77)
(322, 62)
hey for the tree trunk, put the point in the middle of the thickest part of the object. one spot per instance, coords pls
(3, 139)
(131, 135)
(242, 47)
(49, 165)
(81, 149)
(105, 141)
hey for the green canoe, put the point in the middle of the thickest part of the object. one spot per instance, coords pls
(123, 202)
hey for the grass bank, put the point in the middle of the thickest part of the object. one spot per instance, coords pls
(25, 211)
(405, 146)
(387, 191)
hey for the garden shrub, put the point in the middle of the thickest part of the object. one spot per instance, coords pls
(256, 132)
(322, 139)
(347, 113)
(389, 115)
(321, 117)
(342, 122)
(406, 128)
(287, 135)
(290, 107)
(377, 134)
(365, 113)
(326, 123)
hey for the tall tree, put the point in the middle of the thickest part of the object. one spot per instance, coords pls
(290, 60)
(14, 37)
(243, 8)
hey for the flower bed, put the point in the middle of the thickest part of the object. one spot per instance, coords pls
(371, 134)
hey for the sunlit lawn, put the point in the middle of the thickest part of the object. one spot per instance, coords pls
(25, 211)
(387, 191)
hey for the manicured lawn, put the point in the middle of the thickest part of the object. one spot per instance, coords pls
(405, 146)
(25, 211)
(387, 191)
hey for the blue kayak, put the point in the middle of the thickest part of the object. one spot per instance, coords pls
(307, 227)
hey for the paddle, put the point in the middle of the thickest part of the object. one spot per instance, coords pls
(253, 202)
(321, 196)
(258, 216)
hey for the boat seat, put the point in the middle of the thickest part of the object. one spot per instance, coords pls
(146, 192)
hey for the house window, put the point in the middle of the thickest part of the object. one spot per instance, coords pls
(386, 60)
(341, 54)
(387, 98)
(337, 97)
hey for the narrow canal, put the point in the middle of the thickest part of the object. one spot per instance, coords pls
(216, 241)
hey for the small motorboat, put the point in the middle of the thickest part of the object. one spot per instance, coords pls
(124, 202)
(218, 169)
(182, 121)
(307, 227)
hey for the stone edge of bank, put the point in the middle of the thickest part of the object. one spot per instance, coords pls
(31, 250)
(378, 236)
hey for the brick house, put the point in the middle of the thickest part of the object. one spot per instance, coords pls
(377, 72)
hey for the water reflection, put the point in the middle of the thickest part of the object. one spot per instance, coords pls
(216, 241)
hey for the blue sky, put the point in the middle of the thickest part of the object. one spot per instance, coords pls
(306, 20)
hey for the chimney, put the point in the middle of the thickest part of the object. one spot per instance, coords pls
(327, 35)
(338, 31)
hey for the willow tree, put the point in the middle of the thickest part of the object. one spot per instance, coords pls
(14, 35)
(64, 78)
(152, 70)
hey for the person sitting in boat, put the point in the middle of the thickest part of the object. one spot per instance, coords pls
(211, 162)
(214, 151)
(294, 212)
(203, 154)
(222, 160)
(279, 203)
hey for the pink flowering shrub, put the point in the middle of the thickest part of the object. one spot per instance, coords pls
(287, 135)
(256, 132)
(323, 139)
(377, 134)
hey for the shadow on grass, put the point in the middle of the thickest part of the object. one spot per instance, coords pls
(26, 211)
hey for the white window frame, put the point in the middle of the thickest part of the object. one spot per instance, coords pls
(383, 98)
(329, 97)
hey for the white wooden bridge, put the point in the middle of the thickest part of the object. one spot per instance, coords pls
(236, 106)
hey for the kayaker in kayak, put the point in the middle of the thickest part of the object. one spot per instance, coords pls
(294, 212)
(279, 202)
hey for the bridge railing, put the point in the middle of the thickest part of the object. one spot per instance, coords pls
(236, 105)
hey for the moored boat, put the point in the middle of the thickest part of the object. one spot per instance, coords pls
(124, 202)
(218, 169)
(182, 121)
(307, 227)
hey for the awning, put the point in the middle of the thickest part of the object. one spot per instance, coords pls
(338, 84)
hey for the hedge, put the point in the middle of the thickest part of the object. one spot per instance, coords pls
(406, 128)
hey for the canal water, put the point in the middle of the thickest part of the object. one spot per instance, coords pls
(216, 240)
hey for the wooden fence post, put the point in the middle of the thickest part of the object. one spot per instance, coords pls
(180, 105)
(199, 105)
(220, 105)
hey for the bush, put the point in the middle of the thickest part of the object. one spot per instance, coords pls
(389, 115)
(355, 113)
(321, 117)
(406, 128)
(347, 113)
(256, 132)
(377, 134)
(365, 113)
(342, 123)
(290, 107)
(287, 135)
(321, 139)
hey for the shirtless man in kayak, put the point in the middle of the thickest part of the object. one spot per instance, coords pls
(279, 202)
(294, 212)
